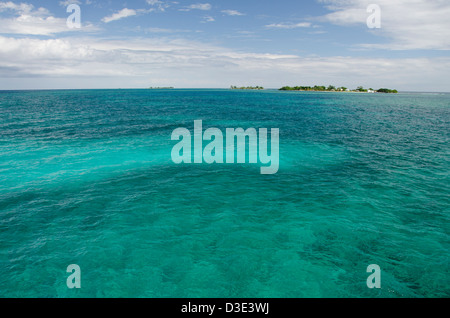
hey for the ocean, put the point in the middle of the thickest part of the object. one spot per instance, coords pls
(87, 178)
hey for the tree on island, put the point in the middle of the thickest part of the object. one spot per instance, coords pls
(361, 89)
(248, 87)
(332, 88)
(387, 91)
(316, 88)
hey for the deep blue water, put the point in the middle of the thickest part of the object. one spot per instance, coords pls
(86, 178)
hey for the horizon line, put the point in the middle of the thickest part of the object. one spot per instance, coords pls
(183, 88)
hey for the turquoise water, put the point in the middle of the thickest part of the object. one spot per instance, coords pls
(87, 178)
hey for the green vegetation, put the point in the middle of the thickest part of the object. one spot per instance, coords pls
(248, 87)
(361, 89)
(316, 88)
(387, 91)
(332, 88)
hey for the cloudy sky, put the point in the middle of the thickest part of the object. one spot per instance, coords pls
(218, 43)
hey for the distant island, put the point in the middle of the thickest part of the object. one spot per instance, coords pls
(387, 91)
(161, 88)
(332, 88)
(248, 87)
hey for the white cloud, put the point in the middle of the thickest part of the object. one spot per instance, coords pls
(25, 19)
(153, 62)
(124, 13)
(66, 3)
(208, 19)
(198, 6)
(418, 24)
(160, 5)
(32, 25)
(163, 30)
(22, 8)
(232, 12)
(289, 25)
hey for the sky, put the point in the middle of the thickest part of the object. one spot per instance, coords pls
(218, 43)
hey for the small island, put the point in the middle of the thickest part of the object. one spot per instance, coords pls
(332, 88)
(161, 88)
(387, 91)
(248, 87)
